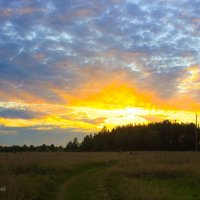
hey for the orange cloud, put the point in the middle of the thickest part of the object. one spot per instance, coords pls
(112, 89)
(191, 79)
(114, 95)
(109, 89)
(20, 95)
(102, 96)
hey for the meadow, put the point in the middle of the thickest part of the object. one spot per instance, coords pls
(100, 176)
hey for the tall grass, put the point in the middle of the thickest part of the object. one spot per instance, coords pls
(156, 175)
(36, 175)
(135, 175)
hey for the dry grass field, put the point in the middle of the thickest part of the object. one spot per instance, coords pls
(100, 176)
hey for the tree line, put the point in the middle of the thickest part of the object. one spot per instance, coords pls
(160, 136)
(32, 148)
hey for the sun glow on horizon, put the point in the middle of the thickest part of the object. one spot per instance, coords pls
(100, 104)
(91, 119)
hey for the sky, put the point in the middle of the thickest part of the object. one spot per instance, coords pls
(70, 67)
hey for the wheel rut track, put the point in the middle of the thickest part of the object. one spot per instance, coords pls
(88, 184)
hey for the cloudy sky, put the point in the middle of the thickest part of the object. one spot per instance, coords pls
(69, 67)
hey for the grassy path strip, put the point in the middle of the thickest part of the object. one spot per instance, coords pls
(86, 185)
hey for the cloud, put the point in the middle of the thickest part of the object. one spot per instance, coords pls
(18, 114)
(155, 118)
(31, 135)
(82, 117)
(100, 54)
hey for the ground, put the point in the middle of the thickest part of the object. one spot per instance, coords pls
(100, 176)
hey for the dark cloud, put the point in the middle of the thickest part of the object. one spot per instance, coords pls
(38, 135)
(18, 114)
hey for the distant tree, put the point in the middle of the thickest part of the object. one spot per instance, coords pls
(87, 143)
(24, 148)
(69, 146)
(43, 147)
(75, 144)
(72, 146)
(52, 147)
(32, 148)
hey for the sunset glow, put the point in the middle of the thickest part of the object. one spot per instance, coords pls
(69, 68)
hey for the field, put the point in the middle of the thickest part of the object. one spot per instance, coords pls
(100, 176)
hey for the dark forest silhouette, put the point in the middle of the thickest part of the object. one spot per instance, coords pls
(160, 136)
